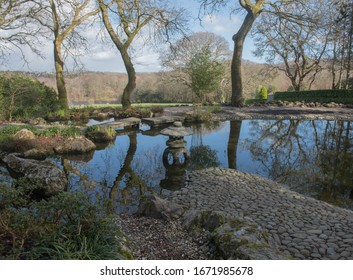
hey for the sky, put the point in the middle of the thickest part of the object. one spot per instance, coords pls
(103, 57)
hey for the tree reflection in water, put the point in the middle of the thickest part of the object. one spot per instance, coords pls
(312, 157)
(233, 140)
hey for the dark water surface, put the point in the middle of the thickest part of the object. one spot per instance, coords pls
(311, 157)
(314, 158)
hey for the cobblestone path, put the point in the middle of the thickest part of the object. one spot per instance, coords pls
(302, 227)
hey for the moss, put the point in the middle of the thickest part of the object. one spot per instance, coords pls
(257, 246)
(265, 235)
(100, 134)
(238, 225)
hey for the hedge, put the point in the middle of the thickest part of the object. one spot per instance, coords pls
(322, 96)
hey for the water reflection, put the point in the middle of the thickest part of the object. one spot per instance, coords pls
(311, 157)
(233, 140)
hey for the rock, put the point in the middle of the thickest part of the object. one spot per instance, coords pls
(210, 220)
(158, 208)
(245, 241)
(75, 146)
(35, 154)
(37, 121)
(45, 176)
(100, 134)
(24, 134)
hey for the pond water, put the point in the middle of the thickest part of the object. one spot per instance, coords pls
(311, 157)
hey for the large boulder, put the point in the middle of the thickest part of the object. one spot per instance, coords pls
(75, 146)
(24, 134)
(44, 176)
(244, 240)
(36, 154)
(208, 219)
(158, 208)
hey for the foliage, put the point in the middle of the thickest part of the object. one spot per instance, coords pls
(100, 134)
(254, 100)
(66, 131)
(323, 96)
(8, 131)
(262, 92)
(205, 74)
(157, 110)
(25, 97)
(271, 88)
(198, 62)
(66, 226)
(213, 109)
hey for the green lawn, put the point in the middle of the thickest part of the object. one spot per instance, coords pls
(137, 105)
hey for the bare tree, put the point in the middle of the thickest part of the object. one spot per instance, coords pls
(61, 18)
(252, 9)
(341, 44)
(125, 20)
(16, 27)
(294, 47)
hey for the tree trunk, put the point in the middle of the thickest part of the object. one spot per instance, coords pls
(131, 84)
(239, 38)
(59, 73)
(349, 51)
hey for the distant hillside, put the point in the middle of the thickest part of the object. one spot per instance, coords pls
(95, 87)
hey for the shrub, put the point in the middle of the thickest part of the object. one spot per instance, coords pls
(322, 96)
(157, 110)
(25, 97)
(262, 93)
(252, 101)
(66, 226)
(213, 109)
(271, 88)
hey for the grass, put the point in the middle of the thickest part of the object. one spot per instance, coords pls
(65, 226)
(136, 105)
(7, 133)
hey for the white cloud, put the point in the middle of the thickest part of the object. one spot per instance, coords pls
(103, 56)
(221, 24)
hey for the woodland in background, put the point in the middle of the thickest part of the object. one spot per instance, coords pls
(96, 87)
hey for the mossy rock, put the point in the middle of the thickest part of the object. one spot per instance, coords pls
(241, 239)
(195, 220)
(100, 134)
(78, 145)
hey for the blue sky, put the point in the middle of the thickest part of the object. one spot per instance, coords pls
(105, 57)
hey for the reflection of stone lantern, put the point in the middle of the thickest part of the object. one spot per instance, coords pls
(175, 156)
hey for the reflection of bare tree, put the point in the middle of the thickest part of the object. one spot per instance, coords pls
(132, 181)
(234, 133)
(70, 169)
(313, 157)
(335, 160)
(280, 146)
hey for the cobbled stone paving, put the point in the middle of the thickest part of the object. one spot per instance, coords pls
(302, 227)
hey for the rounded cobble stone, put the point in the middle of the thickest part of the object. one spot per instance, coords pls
(302, 227)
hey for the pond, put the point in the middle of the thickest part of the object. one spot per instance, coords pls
(311, 157)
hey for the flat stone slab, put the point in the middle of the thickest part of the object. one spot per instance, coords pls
(303, 227)
(157, 121)
(128, 122)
